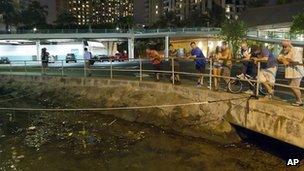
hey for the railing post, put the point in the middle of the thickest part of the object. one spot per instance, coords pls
(42, 71)
(84, 68)
(62, 71)
(111, 69)
(210, 72)
(11, 68)
(25, 69)
(173, 75)
(140, 70)
(258, 83)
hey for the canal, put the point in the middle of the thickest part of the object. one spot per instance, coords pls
(91, 141)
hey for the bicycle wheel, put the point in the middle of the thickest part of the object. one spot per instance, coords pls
(262, 90)
(235, 86)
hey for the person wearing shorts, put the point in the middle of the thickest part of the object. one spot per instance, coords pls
(217, 66)
(226, 56)
(87, 61)
(45, 60)
(200, 61)
(293, 71)
(268, 69)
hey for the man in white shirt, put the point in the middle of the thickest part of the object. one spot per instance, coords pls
(87, 57)
(293, 71)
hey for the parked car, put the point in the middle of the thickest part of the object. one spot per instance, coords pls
(4, 60)
(120, 57)
(123, 57)
(52, 59)
(70, 57)
(104, 58)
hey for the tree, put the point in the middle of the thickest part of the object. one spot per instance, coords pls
(169, 19)
(125, 22)
(10, 13)
(34, 15)
(257, 3)
(197, 19)
(217, 14)
(233, 32)
(298, 24)
(280, 2)
(66, 19)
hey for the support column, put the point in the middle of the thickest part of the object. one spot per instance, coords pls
(131, 48)
(38, 50)
(166, 46)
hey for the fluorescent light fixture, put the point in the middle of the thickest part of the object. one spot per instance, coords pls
(96, 44)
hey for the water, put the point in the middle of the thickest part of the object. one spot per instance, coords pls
(91, 141)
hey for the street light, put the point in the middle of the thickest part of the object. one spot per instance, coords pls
(117, 28)
(34, 29)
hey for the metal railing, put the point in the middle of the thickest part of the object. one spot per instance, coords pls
(135, 31)
(29, 67)
(251, 32)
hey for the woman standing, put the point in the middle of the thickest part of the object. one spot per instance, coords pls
(217, 66)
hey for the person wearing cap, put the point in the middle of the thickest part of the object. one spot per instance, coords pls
(269, 67)
(44, 59)
(293, 69)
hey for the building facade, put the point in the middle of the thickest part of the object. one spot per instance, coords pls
(97, 11)
(184, 8)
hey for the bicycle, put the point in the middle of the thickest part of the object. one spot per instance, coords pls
(238, 86)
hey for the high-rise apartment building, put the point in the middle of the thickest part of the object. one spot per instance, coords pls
(99, 12)
(232, 8)
(184, 8)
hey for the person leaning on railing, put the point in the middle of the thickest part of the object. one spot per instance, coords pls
(156, 60)
(293, 68)
(248, 65)
(200, 62)
(268, 70)
(226, 56)
(173, 53)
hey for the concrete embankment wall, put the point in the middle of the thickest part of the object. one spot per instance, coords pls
(210, 121)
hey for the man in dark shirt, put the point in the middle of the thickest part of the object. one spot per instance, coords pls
(269, 67)
(200, 61)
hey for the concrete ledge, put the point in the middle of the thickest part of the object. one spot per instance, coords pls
(272, 118)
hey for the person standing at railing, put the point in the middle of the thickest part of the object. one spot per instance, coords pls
(293, 68)
(44, 60)
(217, 66)
(173, 53)
(227, 64)
(156, 59)
(248, 66)
(87, 61)
(200, 62)
(268, 69)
